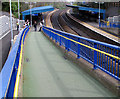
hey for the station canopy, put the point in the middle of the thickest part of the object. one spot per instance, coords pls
(88, 9)
(37, 10)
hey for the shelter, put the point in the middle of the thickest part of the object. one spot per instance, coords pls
(88, 9)
(36, 10)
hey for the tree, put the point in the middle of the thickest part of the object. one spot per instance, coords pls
(14, 6)
(5, 6)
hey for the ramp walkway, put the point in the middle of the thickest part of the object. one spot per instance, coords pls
(47, 73)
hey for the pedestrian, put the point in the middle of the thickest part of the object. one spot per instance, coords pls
(27, 23)
(35, 25)
(40, 26)
(43, 22)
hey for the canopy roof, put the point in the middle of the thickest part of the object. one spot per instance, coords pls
(38, 10)
(87, 8)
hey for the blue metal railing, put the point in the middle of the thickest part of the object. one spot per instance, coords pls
(9, 71)
(110, 24)
(102, 55)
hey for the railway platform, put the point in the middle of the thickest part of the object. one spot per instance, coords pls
(47, 73)
(94, 27)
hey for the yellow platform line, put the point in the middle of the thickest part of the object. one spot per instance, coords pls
(100, 30)
(48, 19)
(85, 24)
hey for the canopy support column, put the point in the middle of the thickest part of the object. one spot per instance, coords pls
(23, 17)
(103, 16)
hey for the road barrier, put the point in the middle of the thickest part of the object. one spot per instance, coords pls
(10, 74)
(102, 55)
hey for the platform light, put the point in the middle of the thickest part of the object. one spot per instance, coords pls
(31, 13)
(11, 25)
(18, 16)
(99, 11)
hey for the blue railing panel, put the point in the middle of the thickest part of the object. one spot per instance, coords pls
(110, 24)
(9, 71)
(106, 59)
(8, 67)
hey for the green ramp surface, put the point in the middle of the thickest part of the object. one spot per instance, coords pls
(47, 73)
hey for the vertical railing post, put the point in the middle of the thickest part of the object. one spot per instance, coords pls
(56, 38)
(52, 35)
(118, 73)
(78, 53)
(110, 25)
(49, 34)
(100, 24)
(66, 45)
(95, 56)
(60, 41)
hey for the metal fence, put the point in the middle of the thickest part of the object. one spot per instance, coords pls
(108, 24)
(10, 74)
(4, 24)
(102, 55)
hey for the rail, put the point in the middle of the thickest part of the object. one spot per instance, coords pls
(9, 76)
(102, 55)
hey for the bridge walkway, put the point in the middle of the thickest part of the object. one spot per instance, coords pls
(47, 73)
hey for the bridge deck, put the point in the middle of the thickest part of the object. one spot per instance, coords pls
(47, 73)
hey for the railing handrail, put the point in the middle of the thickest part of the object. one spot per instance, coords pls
(88, 39)
(111, 57)
(8, 68)
(86, 45)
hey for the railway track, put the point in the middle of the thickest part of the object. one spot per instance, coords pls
(61, 21)
(73, 26)
(54, 20)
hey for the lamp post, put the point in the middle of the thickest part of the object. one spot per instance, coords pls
(99, 14)
(99, 11)
(30, 6)
(30, 11)
(18, 16)
(31, 14)
(11, 25)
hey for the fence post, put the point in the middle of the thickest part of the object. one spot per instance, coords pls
(78, 53)
(56, 38)
(52, 35)
(66, 45)
(49, 34)
(60, 41)
(118, 72)
(105, 24)
(95, 56)
(68, 42)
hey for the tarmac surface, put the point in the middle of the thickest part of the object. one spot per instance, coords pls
(47, 73)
